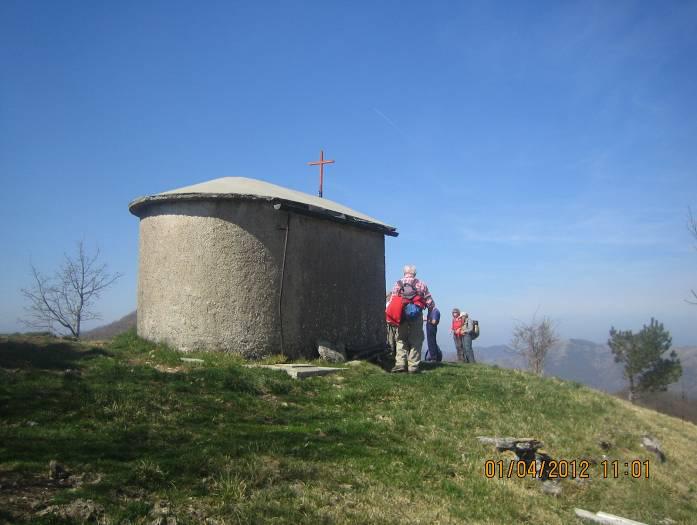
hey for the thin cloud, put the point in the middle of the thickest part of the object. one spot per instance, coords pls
(655, 227)
(471, 235)
(520, 238)
(568, 239)
(391, 123)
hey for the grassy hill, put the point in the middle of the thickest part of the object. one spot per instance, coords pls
(574, 359)
(147, 437)
(668, 403)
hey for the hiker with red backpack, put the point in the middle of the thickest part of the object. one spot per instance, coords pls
(391, 330)
(464, 331)
(409, 298)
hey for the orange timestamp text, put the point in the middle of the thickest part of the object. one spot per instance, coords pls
(558, 469)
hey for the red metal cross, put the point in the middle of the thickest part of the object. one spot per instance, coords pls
(321, 162)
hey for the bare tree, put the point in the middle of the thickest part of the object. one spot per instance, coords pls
(692, 228)
(67, 299)
(533, 341)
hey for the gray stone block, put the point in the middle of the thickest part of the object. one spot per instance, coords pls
(301, 371)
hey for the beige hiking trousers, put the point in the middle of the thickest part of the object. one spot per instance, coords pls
(410, 339)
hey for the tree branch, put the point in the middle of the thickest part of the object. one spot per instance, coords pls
(66, 299)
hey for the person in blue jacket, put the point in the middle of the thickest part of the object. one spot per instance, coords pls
(432, 319)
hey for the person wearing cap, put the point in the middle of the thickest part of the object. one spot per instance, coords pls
(456, 330)
(410, 332)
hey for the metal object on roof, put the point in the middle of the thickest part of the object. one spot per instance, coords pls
(252, 189)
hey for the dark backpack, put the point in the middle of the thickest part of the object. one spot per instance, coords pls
(408, 290)
(414, 302)
(475, 329)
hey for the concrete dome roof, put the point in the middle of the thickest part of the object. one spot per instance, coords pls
(252, 189)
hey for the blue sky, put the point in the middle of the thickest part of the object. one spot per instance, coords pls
(535, 157)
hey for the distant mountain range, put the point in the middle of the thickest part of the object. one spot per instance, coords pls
(591, 364)
(110, 330)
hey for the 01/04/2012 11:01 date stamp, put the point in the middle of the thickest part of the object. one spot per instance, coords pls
(559, 469)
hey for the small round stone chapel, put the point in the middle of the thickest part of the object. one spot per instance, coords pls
(244, 266)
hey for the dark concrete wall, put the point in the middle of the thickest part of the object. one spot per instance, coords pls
(334, 284)
(210, 279)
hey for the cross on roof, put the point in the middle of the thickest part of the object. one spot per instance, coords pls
(321, 162)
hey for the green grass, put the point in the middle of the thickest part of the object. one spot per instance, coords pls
(248, 445)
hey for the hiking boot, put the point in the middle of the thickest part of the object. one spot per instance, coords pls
(398, 370)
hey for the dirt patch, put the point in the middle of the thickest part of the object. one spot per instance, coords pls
(160, 368)
(22, 494)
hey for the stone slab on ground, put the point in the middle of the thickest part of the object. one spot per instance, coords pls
(605, 518)
(300, 370)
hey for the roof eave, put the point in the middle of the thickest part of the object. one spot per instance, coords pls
(137, 206)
